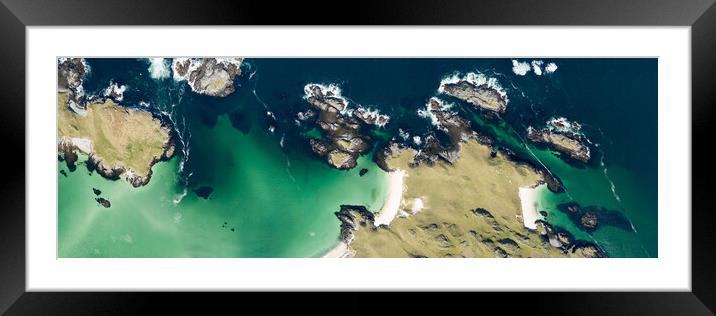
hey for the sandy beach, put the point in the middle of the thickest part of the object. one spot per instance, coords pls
(528, 200)
(340, 251)
(387, 213)
(392, 201)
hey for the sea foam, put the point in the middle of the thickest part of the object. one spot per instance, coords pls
(116, 90)
(537, 67)
(520, 68)
(550, 68)
(159, 68)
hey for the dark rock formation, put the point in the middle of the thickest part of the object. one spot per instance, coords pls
(483, 212)
(481, 96)
(572, 145)
(71, 73)
(562, 239)
(209, 76)
(352, 217)
(344, 142)
(362, 172)
(96, 191)
(371, 117)
(104, 202)
(589, 221)
(382, 156)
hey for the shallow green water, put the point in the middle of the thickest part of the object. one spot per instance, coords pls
(270, 217)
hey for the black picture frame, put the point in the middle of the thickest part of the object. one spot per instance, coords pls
(16, 15)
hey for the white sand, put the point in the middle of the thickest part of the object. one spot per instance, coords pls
(390, 210)
(340, 251)
(392, 201)
(528, 199)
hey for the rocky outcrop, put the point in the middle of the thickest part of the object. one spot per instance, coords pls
(482, 96)
(382, 156)
(352, 218)
(371, 117)
(70, 74)
(456, 127)
(562, 239)
(103, 202)
(589, 221)
(344, 143)
(209, 76)
(564, 137)
(590, 218)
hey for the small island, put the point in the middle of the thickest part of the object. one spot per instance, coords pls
(476, 90)
(117, 140)
(209, 76)
(344, 143)
(564, 137)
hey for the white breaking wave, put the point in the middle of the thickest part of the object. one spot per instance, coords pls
(333, 89)
(195, 63)
(116, 90)
(427, 113)
(550, 68)
(403, 134)
(563, 125)
(611, 183)
(159, 68)
(179, 197)
(475, 78)
(374, 114)
(417, 140)
(537, 67)
(520, 68)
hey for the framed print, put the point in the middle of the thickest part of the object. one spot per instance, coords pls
(442, 148)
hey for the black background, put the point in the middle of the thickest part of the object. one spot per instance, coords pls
(16, 14)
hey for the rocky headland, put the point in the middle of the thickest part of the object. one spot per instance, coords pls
(352, 218)
(209, 76)
(562, 239)
(117, 140)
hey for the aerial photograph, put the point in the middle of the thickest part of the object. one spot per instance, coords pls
(253, 157)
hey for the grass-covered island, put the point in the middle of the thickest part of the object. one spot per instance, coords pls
(117, 140)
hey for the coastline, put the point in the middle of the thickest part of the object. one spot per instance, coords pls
(387, 213)
(341, 250)
(528, 200)
(391, 207)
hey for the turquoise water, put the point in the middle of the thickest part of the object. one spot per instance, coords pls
(269, 216)
(279, 198)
